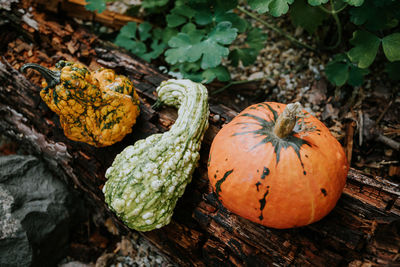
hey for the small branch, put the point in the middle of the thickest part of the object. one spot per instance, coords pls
(388, 141)
(383, 112)
(276, 29)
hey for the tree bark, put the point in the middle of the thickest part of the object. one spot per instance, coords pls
(363, 227)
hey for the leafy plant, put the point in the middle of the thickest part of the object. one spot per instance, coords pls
(206, 31)
(199, 38)
(133, 38)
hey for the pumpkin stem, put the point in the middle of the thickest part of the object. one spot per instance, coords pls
(287, 120)
(52, 77)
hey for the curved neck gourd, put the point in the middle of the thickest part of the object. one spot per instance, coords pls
(192, 103)
(146, 179)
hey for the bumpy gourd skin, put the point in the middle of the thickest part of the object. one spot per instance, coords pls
(97, 108)
(146, 179)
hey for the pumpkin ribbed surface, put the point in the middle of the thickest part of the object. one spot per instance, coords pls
(277, 182)
(146, 179)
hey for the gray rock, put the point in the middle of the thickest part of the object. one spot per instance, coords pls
(36, 210)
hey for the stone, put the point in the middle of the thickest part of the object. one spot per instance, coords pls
(36, 211)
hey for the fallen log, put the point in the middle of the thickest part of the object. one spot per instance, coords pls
(363, 228)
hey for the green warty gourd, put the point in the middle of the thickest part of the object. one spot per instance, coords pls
(146, 179)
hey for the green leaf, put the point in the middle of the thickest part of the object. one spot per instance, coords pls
(274, 7)
(236, 21)
(168, 33)
(144, 31)
(246, 55)
(212, 53)
(174, 20)
(157, 49)
(376, 15)
(256, 39)
(279, 7)
(203, 15)
(212, 48)
(261, 6)
(337, 72)
(365, 48)
(306, 16)
(354, 2)
(126, 38)
(153, 3)
(220, 72)
(223, 33)
(93, 5)
(224, 6)
(391, 46)
(393, 70)
(183, 10)
(317, 2)
(136, 47)
(183, 49)
(356, 76)
(129, 30)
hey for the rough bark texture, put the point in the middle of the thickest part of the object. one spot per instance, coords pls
(363, 228)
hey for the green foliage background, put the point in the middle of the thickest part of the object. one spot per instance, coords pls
(198, 38)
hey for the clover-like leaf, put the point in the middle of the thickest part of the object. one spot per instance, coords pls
(337, 72)
(279, 7)
(223, 33)
(306, 16)
(96, 5)
(157, 48)
(183, 48)
(256, 38)
(365, 48)
(376, 15)
(356, 76)
(236, 21)
(246, 55)
(220, 73)
(317, 2)
(354, 2)
(212, 48)
(127, 39)
(153, 3)
(174, 20)
(261, 6)
(275, 7)
(144, 31)
(391, 46)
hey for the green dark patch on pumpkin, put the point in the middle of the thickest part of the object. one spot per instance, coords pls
(220, 181)
(265, 173)
(263, 201)
(257, 185)
(55, 97)
(304, 172)
(215, 176)
(266, 132)
(323, 190)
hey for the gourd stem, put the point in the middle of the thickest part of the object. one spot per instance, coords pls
(52, 77)
(287, 120)
(156, 104)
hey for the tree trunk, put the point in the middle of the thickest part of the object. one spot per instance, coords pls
(363, 227)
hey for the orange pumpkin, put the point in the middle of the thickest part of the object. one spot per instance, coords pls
(278, 167)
